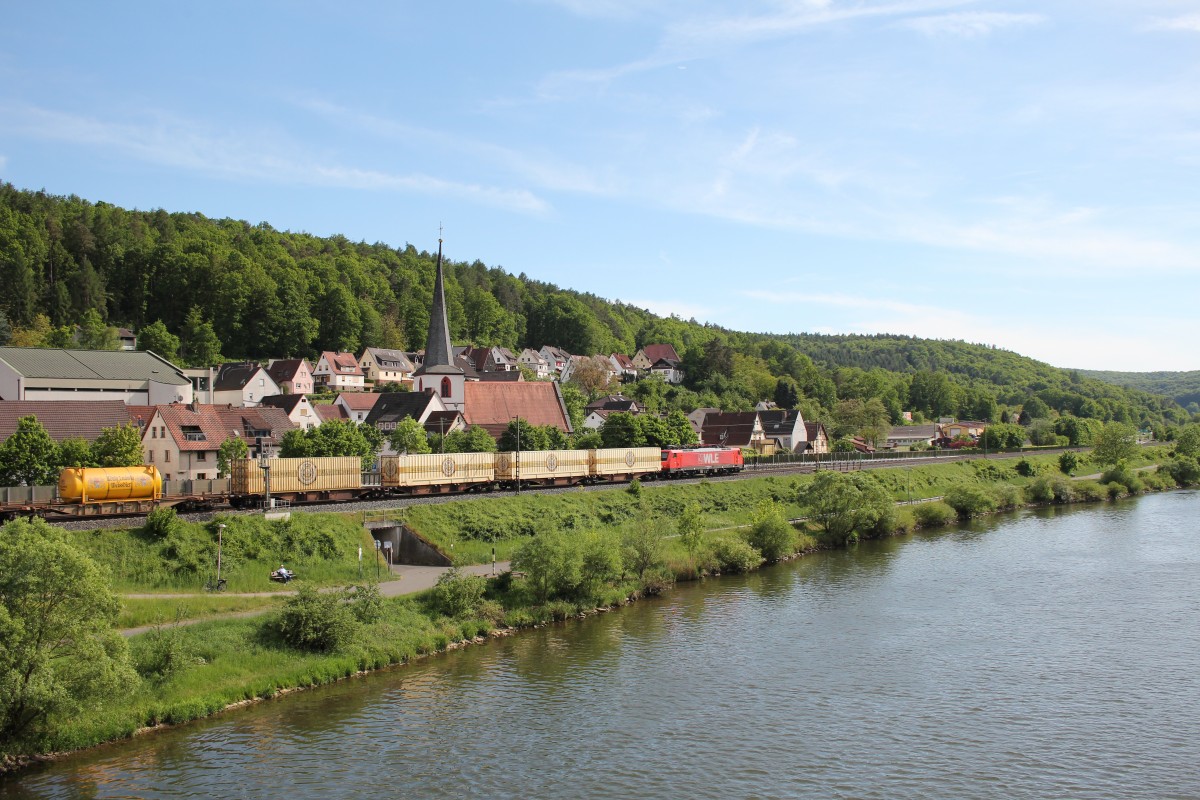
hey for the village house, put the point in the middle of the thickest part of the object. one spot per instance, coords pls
(493, 406)
(126, 339)
(392, 407)
(556, 358)
(381, 366)
(182, 440)
(243, 383)
(696, 419)
(669, 371)
(645, 358)
(734, 429)
(614, 402)
(357, 405)
(292, 375)
(297, 407)
(909, 435)
(953, 430)
(339, 372)
(328, 411)
(137, 377)
(624, 367)
(533, 360)
(818, 439)
(491, 359)
(445, 422)
(786, 428)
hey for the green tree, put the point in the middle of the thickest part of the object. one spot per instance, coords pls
(60, 652)
(551, 564)
(199, 344)
(157, 339)
(1187, 441)
(474, 439)
(95, 334)
(691, 530)
(847, 505)
(74, 452)
(1001, 436)
(118, 447)
(232, 449)
(1116, 442)
(520, 435)
(29, 456)
(643, 545)
(622, 430)
(770, 532)
(409, 437)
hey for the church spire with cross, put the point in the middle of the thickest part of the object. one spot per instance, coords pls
(438, 372)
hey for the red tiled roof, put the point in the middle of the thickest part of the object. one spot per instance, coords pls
(732, 429)
(218, 423)
(65, 419)
(285, 369)
(328, 411)
(493, 405)
(358, 401)
(342, 363)
(656, 352)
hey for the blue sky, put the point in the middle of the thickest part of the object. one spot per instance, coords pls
(1014, 173)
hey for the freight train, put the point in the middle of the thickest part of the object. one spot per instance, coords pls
(138, 490)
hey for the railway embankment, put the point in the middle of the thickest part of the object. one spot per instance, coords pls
(574, 552)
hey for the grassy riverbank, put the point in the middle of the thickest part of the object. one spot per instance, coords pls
(577, 550)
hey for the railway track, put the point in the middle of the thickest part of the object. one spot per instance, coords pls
(395, 503)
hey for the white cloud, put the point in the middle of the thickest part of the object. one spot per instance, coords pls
(241, 156)
(970, 24)
(1187, 22)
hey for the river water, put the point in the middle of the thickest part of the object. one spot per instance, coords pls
(1048, 654)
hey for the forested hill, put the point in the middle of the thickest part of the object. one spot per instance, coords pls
(201, 290)
(1183, 387)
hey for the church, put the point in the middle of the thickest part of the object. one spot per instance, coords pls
(490, 405)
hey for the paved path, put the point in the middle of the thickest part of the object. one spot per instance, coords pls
(406, 579)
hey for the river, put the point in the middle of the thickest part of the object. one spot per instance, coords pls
(1044, 654)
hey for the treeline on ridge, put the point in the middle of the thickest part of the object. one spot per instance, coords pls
(202, 290)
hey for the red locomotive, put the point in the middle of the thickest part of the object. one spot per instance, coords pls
(684, 462)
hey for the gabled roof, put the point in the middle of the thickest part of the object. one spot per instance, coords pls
(93, 365)
(65, 419)
(286, 369)
(623, 361)
(342, 363)
(779, 421)
(503, 376)
(665, 363)
(390, 359)
(441, 421)
(209, 425)
(494, 405)
(234, 377)
(395, 406)
(732, 429)
(914, 432)
(328, 411)
(613, 402)
(814, 429)
(287, 402)
(655, 352)
(357, 401)
(530, 354)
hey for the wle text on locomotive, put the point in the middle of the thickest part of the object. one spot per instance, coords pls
(138, 490)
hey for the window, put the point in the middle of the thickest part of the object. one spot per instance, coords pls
(167, 456)
(445, 387)
(262, 381)
(150, 453)
(201, 456)
(200, 476)
(154, 433)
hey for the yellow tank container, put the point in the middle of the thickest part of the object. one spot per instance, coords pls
(103, 484)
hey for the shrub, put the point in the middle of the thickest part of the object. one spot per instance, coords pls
(1068, 462)
(934, 515)
(970, 501)
(164, 651)
(734, 554)
(1116, 490)
(1008, 496)
(642, 545)
(1123, 475)
(1027, 468)
(366, 603)
(1050, 489)
(160, 523)
(319, 622)
(1089, 491)
(770, 534)
(635, 487)
(458, 594)
(657, 581)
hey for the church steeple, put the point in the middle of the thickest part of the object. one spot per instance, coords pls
(438, 373)
(438, 351)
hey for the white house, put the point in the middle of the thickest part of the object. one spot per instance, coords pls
(243, 384)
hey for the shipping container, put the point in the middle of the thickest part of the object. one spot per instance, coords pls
(625, 461)
(106, 484)
(296, 475)
(437, 469)
(544, 466)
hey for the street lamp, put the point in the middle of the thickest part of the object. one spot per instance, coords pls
(517, 455)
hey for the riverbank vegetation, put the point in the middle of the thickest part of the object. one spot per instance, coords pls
(572, 552)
